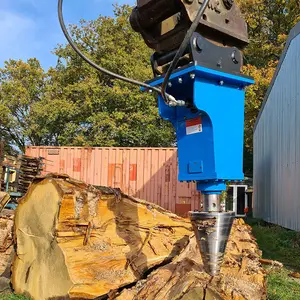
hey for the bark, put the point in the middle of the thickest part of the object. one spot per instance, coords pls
(272, 263)
(4, 199)
(6, 248)
(82, 242)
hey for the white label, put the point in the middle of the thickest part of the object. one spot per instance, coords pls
(193, 126)
(194, 129)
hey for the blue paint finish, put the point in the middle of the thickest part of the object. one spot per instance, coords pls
(12, 206)
(195, 167)
(211, 187)
(192, 148)
(215, 155)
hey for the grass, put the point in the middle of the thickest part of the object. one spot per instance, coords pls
(282, 287)
(282, 245)
(10, 296)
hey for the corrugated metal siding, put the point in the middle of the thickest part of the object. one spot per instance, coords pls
(277, 147)
(146, 173)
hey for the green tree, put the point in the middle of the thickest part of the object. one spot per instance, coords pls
(269, 23)
(254, 98)
(72, 104)
(108, 112)
(21, 88)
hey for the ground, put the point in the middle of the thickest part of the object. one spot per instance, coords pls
(282, 245)
(277, 244)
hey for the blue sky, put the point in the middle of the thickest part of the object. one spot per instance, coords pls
(30, 28)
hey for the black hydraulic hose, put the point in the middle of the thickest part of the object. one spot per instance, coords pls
(182, 48)
(90, 62)
(167, 98)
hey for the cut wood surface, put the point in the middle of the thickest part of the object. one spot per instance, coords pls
(75, 240)
(184, 278)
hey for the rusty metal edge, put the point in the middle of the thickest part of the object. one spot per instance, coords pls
(117, 148)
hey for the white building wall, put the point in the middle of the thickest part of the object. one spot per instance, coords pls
(277, 146)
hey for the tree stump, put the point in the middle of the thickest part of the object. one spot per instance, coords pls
(78, 241)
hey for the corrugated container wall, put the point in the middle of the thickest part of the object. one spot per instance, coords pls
(146, 173)
(277, 144)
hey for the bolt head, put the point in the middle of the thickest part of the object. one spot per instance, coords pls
(234, 57)
(180, 80)
(169, 84)
(221, 82)
(192, 76)
(228, 4)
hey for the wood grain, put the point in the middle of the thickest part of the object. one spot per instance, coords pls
(77, 241)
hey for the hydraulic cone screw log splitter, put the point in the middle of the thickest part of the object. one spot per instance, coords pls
(197, 74)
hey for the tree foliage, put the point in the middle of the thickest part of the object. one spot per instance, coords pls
(113, 113)
(72, 104)
(22, 88)
(269, 23)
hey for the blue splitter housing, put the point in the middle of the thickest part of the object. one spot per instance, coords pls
(210, 131)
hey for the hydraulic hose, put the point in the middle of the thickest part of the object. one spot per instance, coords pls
(169, 99)
(182, 48)
(90, 62)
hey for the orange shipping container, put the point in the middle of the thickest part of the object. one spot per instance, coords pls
(146, 173)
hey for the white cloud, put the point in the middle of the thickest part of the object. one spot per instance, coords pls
(13, 26)
(29, 28)
(16, 35)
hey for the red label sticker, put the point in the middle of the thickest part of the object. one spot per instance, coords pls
(133, 172)
(76, 164)
(193, 122)
(193, 126)
(61, 165)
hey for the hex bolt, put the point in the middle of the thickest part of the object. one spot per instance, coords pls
(234, 58)
(169, 84)
(179, 80)
(228, 4)
(221, 82)
(192, 75)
